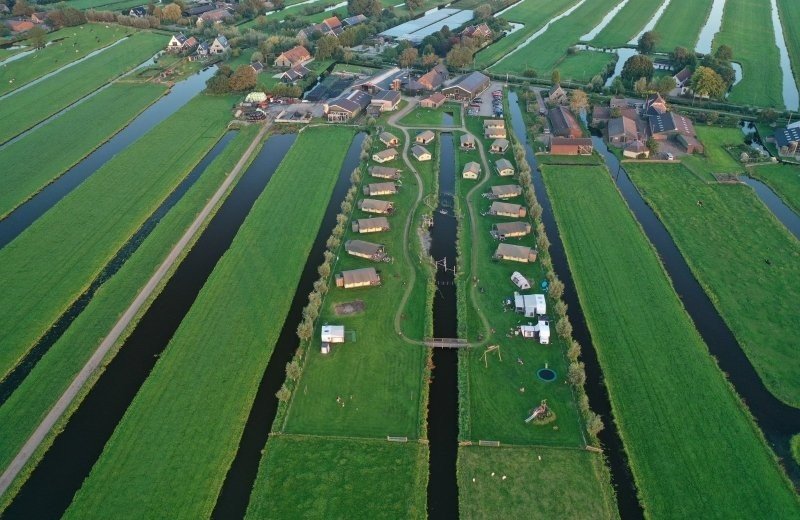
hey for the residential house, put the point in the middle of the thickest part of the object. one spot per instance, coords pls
(600, 116)
(347, 107)
(467, 87)
(499, 146)
(494, 128)
(506, 230)
(467, 142)
(381, 207)
(203, 51)
(563, 123)
(389, 139)
(383, 172)
(354, 20)
(190, 44)
(138, 12)
(175, 44)
(370, 225)
(257, 67)
(435, 100)
(571, 146)
(390, 154)
(380, 188)
(505, 209)
(434, 78)
(220, 45)
(515, 253)
(386, 100)
(420, 153)
(557, 95)
(504, 167)
(297, 55)
(425, 137)
(787, 140)
(364, 277)
(654, 105)
(635, 149)
(295, 74)
(530, 305)
(363, 249)
(471, 170)
(621, 130)
(19, 26)
(332, 26)
(505, 191)
(41, 17)
(213, 17)
(477, 31)
(674, 126)
(682, 79)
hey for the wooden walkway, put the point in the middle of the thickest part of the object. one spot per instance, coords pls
(447, 343)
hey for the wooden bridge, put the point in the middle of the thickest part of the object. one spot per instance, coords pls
(447, 343)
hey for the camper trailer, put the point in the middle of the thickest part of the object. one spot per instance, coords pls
(331, 334)
(520, 281)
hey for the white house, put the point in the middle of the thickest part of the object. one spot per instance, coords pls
(331, 334)
(220, 45)
(530, 305)
(520, 281)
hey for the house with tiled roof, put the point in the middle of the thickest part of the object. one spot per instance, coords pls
(297, 55)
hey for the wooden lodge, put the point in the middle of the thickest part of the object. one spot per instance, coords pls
(381, 207)
(389, 139)
(499, 146)
(425, 137)
(514, 253)
(363, 249)
(494, 128)
(384, 172)
(471, 170)
(371, 225)
(420, 153)
(504, 209)
(505, 191)
(390, 154)
(380, 188)
(467, 142)
(506, 230)
(364, 277)
(504, 167)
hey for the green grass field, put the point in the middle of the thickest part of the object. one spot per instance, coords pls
(750, 294)
(627, 23)
(33, 162)
(682, 425)
(747, 28)
(86, 227)
(308, 477)
(20, 415)
(532, 483)
(534, 14)
(432, 117)
(77, 42)
(228, 335)
(547, 51)
(384, 384)
(715, 158)
(29, 107)
(681, 23)
(103, 5)
(582, 66)
(784, 179)
(795, 443)
(789, 13)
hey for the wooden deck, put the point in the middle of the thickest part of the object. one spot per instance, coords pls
(447, 343)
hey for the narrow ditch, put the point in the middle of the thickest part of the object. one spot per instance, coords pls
(443, 399)
(52, 484)
(621, 475)
(238, 485)
(782, 212)
(15, 378)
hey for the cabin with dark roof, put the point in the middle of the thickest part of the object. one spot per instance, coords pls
(563, 123)
(367, 250)
(467, 87)
(364, 277)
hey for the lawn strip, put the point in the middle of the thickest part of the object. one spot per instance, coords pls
(784, 179)
(681, 23)
(627, 23)
(789, 12)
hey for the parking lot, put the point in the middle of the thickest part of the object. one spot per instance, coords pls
(484, 107)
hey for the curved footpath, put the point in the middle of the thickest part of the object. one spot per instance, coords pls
(66, 399)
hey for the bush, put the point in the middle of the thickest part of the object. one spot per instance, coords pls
(284, 394)
(594, 424)
(556, 289)
(574, 351)
(293, 370)
(576, 374)
(564, 328)
(561, 308)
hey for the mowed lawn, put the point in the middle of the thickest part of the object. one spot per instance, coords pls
(747, 262)
(789, 12)
(582, 66)
(683, 427)
(784, 179)
(27, 108)
(20, 415)
(86, 228)
(747, 29)
(681, 23)
(308, 477)
(545, 52)
(377, 376)
(73, 43)
(533, 482)
(203, 385)
(627, 23)
(715, 158)
(36, 160)
(534, 14)
(432, 117)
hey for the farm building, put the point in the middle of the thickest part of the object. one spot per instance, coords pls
(467, 87)
(787, 140)
(389, 139)
(19, 26)
(297, 55)
(494, 128)
(257, 67)
(435, 100)
(383, 156)
(354, 20)
(520, 281)
(420, 153)
(384, 172)
(510, 230)
(563, 123)
(504, 209)
(530, 305)
(434, 78)
(364, 277)
(363, 249)
(467, 142)
(540, 330)
(634, 149)
(386, 100)
(388, 79)
(675, 126)
(214, 17)
(477, 31)
(504, 167)
(682, 79)
(370, 225)
(505, 191)
(654, 105)
(425, 137)
(514, 253)
(499, 146)
(600, 116)
(296, 73)
(471, 170)
(569, 146)
(346, 107)
(331, 334)
(332, 26)
(621, 130)
(556, 95)
(383, 207)
(380, 188)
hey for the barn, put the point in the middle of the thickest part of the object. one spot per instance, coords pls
(381, 207)
(364, 277)
(514, 253)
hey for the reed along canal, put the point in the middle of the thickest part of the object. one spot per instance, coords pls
(52, 484)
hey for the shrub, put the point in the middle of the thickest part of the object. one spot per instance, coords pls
(293, 370)
(574, 351)
(576, 374)
(556, 288)
(594, 424)
(564, 327)
(284, 394)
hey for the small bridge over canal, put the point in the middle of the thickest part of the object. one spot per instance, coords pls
(446, 343)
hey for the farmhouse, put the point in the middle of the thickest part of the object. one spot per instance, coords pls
(18, 26)
(563, 123)
(568, 146)
(654, 105)
(381, 207)
(787, 140)
(175, 44)
(505, 191)
(425, 137)
(504, 167)
(386, 100)
(331, 334)
(297, 72)
(354, 20)
(471, 170)
(494, 128)
(520, 281)
(370, 225)
(505, 230)
(383, 172)
(389, 139)
(515, 253)
(477, 31)
(383, 156)
(682, 79)
(297, 55)
(213, 17)
(328, 26)
(435, 100)
(380, 188)
(675, 126)
(541, 329)
(420, 153)
(621, 130)
(434, 78)
(41, 17)
(530, 305)
(467, 87)
(556, 95)
(633, 149)
(499, 146)
(203, 51)
(220, 45)
(600, 116)
(364, 277)
(467, 142)
(504, 209)
(138, 12)
(347, 107)
(363, 249)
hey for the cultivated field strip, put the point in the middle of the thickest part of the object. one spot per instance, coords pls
(28, 108)
(86, 228)
(784, 179)
(203, 383)
(681, 23)
(747, 29)
(33, 162)
(677, 414)
(744, 288)
(20, 415)
(789, 11)
(627, 23)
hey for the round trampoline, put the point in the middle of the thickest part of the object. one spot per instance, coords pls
(546, 374)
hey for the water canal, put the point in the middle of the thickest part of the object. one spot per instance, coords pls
(443, 399)
(652, 23)
(54, 333)
(776, 419)
(621, 476)
(52, 484)
(791, 97)
(711, 28)
(235, 494)
(591, 35)
(24, 215)
(782, 212)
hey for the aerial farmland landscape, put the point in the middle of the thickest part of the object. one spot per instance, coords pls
(278, 259)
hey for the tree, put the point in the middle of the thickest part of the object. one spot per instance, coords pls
(594, 424)
(617, 87)
(555, 76)
(578, 101)
(652, 145)
(459, 56)
(576, 373)
(370, 8)
(305, 330)
(327, 47)
(724, 53)
(768, 115)
(647, 42)
(429, 59)
(293, 370)
(681, 57)
(483, 12)
(37, 37)
(22, 8)
(663, 85)
(706, 82)
(637, 66)
(283, 394)
(243, 79)
(413, 5)
(556, 289)
(171, 12)
(641, 86)
(257, 56)
(408, 57)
